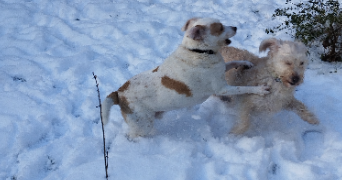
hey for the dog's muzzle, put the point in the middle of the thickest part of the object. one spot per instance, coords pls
(294, 80)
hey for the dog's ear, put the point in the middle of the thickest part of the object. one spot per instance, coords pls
(197, 32)
(300, 47)
(272, 44)
(187, 24)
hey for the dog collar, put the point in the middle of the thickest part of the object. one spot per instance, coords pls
(202, 51)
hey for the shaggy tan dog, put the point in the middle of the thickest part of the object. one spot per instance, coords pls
(282, 70)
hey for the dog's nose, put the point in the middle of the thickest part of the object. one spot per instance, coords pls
(295, 79)
(234, 28)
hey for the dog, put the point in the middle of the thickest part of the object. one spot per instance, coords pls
(282, 70)
(192, 73)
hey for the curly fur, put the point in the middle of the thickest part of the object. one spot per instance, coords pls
(282, 70)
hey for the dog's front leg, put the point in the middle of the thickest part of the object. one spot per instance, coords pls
(236, 90)
(237, 64)
(301, 110)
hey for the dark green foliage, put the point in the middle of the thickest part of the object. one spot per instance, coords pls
(314, 22)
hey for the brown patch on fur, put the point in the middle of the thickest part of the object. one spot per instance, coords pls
(114, 96)
(197, 32)
(216, 29)
(156, 69)
(124, 87)
(178, 86)
(124, 105)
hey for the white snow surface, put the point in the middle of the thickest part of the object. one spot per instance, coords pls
(50, 127)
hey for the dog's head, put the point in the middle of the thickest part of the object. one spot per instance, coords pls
(287, 60)
(206, 33)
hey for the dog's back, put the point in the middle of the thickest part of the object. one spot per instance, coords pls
(235, 54)
(239, 76)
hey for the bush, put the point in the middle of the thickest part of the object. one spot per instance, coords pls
(315, 22)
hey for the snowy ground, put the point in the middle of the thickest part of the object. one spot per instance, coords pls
(50, 126)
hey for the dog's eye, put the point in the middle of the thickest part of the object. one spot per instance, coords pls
(301, 63)
(288, 63)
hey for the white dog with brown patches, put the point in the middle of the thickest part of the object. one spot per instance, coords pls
(187, 77)
(282, 70)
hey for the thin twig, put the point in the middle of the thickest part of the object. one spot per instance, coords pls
(105, 153)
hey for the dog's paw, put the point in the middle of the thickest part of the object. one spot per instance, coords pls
(237, 64)
(307, 115)
(313, 120)
(131, 137)
(264, 89)
(244, 64)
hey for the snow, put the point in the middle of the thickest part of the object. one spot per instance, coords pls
(50, 126)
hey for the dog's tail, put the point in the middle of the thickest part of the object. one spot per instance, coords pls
(111, 99)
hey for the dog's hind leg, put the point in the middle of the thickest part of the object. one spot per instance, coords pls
(244, 121)
(301, 110)
(243, 124)
(140, 124)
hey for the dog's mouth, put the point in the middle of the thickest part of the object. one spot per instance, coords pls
(290, 84)
(293, 84)
(293, 81)
(228, 41)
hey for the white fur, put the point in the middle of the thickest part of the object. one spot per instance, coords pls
(201, 75)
